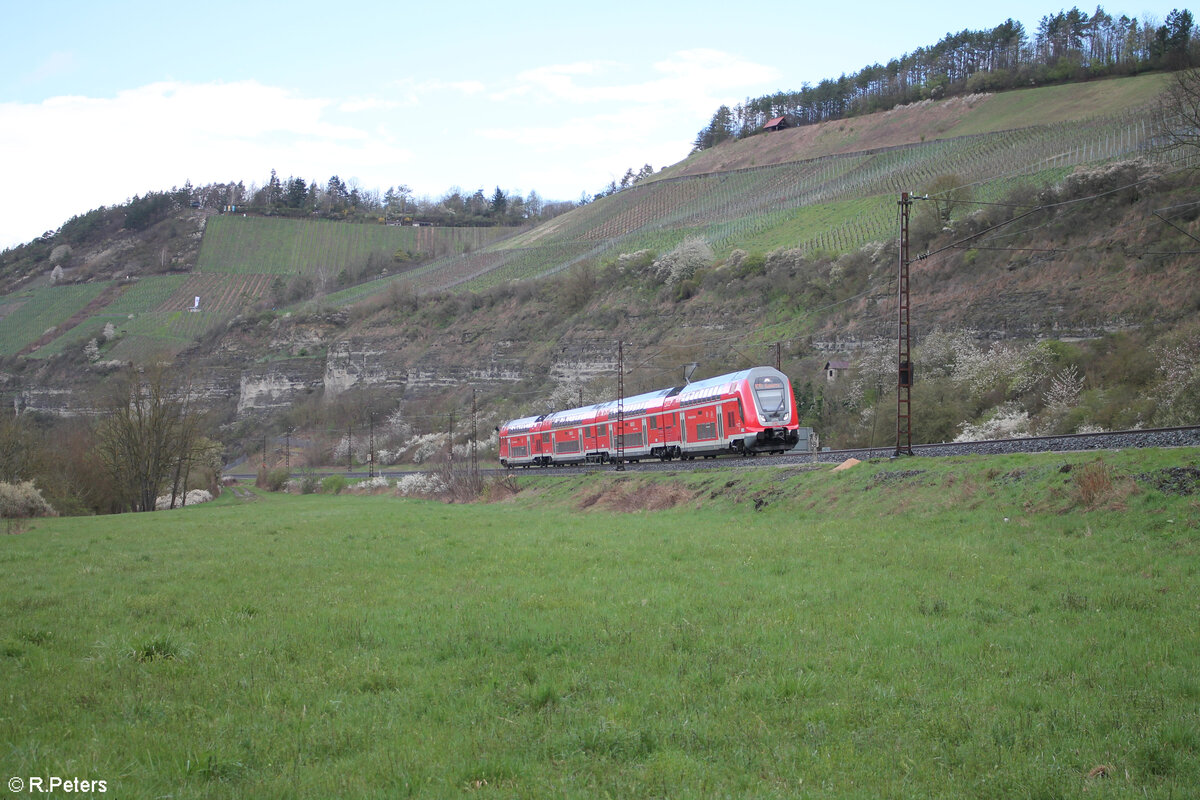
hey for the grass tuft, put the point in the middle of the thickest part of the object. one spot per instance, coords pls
(160, 648)
(933, 607)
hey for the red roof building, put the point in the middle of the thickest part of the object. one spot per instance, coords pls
(777, 124)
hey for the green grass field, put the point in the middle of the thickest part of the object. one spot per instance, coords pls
(997, 628)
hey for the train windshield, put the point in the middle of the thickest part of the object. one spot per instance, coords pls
(772, 399)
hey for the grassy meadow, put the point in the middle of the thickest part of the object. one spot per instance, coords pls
(1008, 627)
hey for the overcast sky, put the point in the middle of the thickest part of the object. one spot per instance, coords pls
(101, 101)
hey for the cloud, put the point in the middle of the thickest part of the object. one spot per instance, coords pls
(557, 128)
(77, 153)
(659, 114)
(57, 63)
(411, 92)
(357, 104)
(628, 125)
(689, 79)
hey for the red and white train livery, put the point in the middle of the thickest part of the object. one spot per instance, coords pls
(747, 412)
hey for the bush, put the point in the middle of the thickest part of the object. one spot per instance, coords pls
(691, 255)
(273, 480)
(421, 485)
(333, 484)
(194, 497)
(1095, 484)
(22, 500)
(634, 263)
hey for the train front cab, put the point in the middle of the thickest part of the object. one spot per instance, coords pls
(776, 428)
(748, 412)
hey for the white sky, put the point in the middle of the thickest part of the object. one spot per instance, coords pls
(101, 101)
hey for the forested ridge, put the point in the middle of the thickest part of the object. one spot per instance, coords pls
(1067, 46)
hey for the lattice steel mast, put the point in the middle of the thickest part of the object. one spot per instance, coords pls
(903, 340)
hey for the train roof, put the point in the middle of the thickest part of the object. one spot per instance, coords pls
(694, 392)
(638, 402)
(522, 424)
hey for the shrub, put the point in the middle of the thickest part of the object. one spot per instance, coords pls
(692, 254)
(194, 497)
(273, 480)
(635, 262)
(1093, 483)
(1007, 421)
(333, 484)
(22, 500)
(421, 485)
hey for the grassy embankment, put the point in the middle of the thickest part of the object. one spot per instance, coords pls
(1005, 627)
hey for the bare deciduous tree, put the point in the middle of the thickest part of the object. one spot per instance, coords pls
(946, 193)
(1179, 110)
(145, 439)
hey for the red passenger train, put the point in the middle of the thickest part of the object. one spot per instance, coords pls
(746, 413)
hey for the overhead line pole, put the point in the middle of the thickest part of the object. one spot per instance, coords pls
(903, 340)
(620, 443)
(474, 440)
(371, 444)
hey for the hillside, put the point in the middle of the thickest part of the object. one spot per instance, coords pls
(929, 121)
(299, 319)
(243, 265)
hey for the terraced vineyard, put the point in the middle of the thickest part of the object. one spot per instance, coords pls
(267, 246)
(834, 203)
(154, 316)
(240, 260)
(28, 316)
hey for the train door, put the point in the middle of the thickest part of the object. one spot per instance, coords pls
(706, 420)
(633, 433)
(671, 428)
(733, 417)
(566, 441)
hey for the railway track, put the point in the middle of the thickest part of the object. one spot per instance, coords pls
(1184, 436)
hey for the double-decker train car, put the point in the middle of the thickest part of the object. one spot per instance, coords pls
(746, 413)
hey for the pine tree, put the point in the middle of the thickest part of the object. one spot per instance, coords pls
(499, 203)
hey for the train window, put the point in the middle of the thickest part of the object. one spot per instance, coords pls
(545, 438)
(770, 394)
(654, 423)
